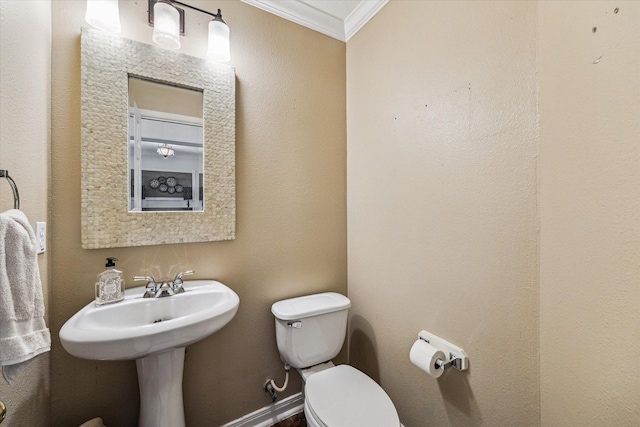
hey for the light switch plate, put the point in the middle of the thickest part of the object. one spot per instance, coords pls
(41, 236)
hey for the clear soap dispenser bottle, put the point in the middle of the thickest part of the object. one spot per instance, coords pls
(110, 284)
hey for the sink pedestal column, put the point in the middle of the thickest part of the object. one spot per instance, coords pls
(160, 382)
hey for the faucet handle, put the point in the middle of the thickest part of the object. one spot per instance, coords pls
(149, 279)
(177, 282)
(184, 273)
(151, 286)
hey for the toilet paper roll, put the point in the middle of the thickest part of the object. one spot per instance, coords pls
(424, 356)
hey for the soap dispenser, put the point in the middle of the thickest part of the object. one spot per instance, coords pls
(110, 284)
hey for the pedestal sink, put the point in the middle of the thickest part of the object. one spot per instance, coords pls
(154, 332)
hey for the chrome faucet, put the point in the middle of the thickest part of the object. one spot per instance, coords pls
(164, 289)
(177, 281)
(151, 286)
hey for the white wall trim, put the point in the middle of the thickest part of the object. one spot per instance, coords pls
(271, 414)
(303, 14)
(318, 20)
(361, 15)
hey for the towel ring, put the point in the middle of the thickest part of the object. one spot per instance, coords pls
(16, 196)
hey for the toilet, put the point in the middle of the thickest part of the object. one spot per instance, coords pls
(310, 331)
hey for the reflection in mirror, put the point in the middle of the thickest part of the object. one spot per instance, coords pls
(165, 147)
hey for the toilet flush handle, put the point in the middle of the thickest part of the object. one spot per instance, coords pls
(295, 324)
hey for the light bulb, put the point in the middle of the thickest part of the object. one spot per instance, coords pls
(166, 25)
(218, 49)
(103, 15)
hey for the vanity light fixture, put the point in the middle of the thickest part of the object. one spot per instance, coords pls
(165, 150)
(169, 23)
(103, 15)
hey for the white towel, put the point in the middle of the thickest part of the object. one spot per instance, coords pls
(23, 332)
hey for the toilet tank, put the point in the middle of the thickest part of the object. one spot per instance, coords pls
(311, 329)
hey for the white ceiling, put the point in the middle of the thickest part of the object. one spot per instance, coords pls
(339, 19)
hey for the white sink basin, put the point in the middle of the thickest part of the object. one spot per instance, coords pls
(138, 327)
(154, 331)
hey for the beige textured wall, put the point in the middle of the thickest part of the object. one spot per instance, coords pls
(442, 213)
(148, 95)
(590, 213)
(291, 213)
(442, 207)
(25, 75)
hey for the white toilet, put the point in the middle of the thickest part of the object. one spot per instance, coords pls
(310, 331)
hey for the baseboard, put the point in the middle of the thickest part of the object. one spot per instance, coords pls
(269, 415)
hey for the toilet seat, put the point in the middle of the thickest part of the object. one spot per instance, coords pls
(343, 396)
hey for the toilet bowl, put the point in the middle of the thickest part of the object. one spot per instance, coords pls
(343, 396)
(310, 331)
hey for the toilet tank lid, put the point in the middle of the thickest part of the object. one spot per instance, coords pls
(310, 305)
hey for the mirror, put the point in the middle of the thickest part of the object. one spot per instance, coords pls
(165, 147)
(137, 129)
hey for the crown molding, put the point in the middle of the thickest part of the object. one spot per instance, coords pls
(361, 15)
(315, 19)
(303, 14)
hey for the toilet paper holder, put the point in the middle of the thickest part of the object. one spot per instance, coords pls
(457, 357)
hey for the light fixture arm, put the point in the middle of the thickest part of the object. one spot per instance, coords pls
(215, 15)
